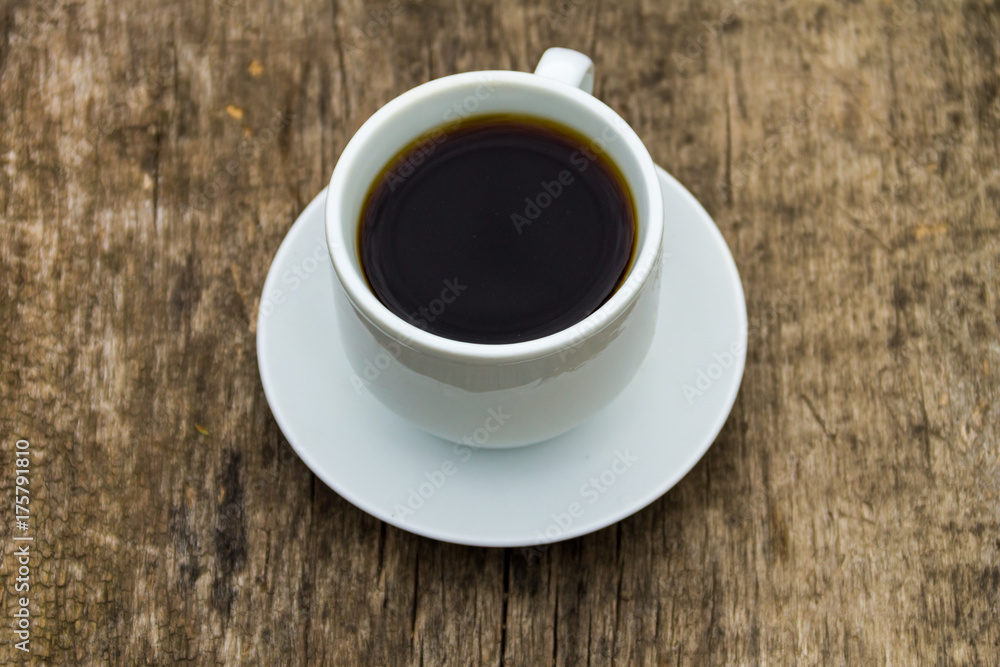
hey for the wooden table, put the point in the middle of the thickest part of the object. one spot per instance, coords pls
(153, 155)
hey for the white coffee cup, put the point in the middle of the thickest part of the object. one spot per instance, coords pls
(510, 394)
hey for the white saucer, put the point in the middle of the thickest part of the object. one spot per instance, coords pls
(624, 458)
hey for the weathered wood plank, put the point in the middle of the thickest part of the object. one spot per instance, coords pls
(153, 155)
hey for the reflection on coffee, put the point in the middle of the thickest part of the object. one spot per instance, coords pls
(499, 229)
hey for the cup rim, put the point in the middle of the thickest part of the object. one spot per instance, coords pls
(368, 305)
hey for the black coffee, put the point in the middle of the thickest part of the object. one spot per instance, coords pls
(498, 229)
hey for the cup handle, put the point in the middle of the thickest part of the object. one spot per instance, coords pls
(569, 67)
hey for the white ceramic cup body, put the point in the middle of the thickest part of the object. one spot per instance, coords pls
(495, 395)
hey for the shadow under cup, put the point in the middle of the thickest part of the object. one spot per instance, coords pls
(447, 387)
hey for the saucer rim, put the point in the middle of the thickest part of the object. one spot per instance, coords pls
(585, 528)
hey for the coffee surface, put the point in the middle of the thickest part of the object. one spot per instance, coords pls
(496, 230)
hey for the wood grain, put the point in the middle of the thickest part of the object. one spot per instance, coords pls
(153, 155)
